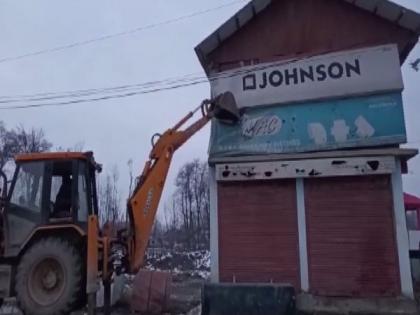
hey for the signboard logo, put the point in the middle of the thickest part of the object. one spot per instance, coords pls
(340, 130)
(267, 125)
(298, 75)
(317, 133)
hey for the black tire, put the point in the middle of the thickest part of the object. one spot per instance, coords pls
(49, 278)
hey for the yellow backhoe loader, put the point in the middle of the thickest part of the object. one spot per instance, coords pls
(53, 253)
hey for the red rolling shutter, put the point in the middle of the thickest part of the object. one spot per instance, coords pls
(258, 234)
(351, 239)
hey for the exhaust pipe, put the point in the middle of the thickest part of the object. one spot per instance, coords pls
(226, 109)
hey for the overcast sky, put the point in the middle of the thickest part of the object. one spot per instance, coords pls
(117, 130)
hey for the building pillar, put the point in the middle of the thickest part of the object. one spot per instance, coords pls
(303, 248)
(214, 227)
(401, 233)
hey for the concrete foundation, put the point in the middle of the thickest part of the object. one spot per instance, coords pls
(307, 304)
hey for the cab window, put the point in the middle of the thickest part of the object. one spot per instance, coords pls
(27, 191)
(82, 189)
(61, 189)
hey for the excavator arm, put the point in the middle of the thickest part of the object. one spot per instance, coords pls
(144, 201)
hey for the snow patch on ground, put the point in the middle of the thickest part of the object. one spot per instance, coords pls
(194, 264)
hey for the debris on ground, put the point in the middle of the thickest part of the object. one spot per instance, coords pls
(189, 271)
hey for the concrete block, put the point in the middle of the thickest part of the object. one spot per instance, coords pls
(248, 299)
(307, 304)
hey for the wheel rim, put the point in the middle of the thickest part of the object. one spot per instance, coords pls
(47, 281)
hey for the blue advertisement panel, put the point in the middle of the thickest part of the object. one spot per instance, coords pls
(313, 126)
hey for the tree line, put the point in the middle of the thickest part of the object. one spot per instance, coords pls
(185, 223)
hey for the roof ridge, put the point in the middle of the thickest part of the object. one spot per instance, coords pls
(386, 9)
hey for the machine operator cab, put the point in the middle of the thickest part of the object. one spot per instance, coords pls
(48, 189)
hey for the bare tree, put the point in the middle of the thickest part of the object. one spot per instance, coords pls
(171, 217)
(29, 141)
(78, 147)
(131, 176)
(157, 235)
(21, 140)
(191, 205)
(110, 199)
(5, 145)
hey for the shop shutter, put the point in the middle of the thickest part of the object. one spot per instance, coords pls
(351, 236)
(258, 234)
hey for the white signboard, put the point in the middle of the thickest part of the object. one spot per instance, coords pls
(354, 72)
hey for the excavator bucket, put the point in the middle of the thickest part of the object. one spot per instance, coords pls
(226, 109)
(151, 292)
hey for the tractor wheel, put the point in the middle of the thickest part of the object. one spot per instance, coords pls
(49, 278)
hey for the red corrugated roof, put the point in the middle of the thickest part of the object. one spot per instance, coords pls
(411, 202)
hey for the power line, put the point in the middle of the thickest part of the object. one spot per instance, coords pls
(6, 99)
(114, 35)
(187, 77)
(88, 92)
(151, 87)
(40, 94)
(104, 97)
